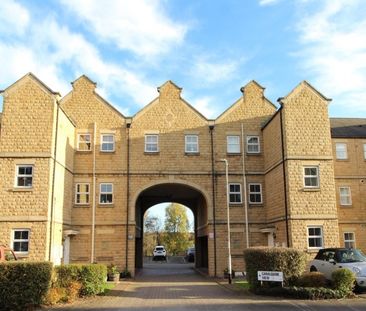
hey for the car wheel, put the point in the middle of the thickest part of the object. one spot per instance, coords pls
(313, 269)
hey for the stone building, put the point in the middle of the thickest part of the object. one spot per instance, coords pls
(77, 176)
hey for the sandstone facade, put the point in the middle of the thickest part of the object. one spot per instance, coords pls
(78, 176)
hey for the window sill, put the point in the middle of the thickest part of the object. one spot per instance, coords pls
(311, 189)
(82, 205)
(106, 205)
(83, 151)
(191, 154)
(21, 255)
(346, 206)
(151, 152)
(19, 189)
(342, 160)
(106, 152)
(313, 250)
(233, 154)
(236, 205)
(253, 153)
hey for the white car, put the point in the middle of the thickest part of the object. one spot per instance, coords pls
(159, 253)
(330, 259)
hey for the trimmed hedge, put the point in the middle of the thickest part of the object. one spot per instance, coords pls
(312, 293)
(312, 279)
(290, 261)
(343, 280)
(24, 284)
(91, 276)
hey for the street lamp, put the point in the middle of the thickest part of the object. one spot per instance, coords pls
(228, 217)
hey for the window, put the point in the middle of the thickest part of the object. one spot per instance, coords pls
(233, 144)
(364, 151)
(349, 240)
(253, 145)
(235, 193)
(345, 195)
(84, 142)
(21, 240)
(82, 193)
(24, 177)
(107, 143)
(255, 193)
(151, 143)
(311, 177)
(315, 237)
(191, 143)
(341, 151)
(106, 194)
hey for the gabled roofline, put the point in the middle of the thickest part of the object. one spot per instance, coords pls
(86, 77)
(304, 82)
(251, 81)
(166, 82)
(31, 75)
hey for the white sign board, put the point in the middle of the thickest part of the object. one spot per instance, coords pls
(273, 276)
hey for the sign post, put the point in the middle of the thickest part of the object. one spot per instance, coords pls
(270, 276)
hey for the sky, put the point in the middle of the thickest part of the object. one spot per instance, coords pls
(209, 48)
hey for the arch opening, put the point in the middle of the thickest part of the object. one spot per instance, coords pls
(174, 193)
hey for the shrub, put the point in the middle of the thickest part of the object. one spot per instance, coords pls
(312, 279)
(91, 277)
(24, 284)
(290, 261)
(343, 280)
(55, 295)
(302, 292)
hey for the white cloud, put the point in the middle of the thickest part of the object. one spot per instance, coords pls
(267, 2)
(334, 51)
(141, 26)
(48, 50)
(13, 17)
(205, 106)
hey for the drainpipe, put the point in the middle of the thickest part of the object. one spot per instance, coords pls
(53, 184)
(211, 127)
(284, 180)
(245, 188)
(128, 126)
(94, 193)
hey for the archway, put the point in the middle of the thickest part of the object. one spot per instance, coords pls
(176, 193)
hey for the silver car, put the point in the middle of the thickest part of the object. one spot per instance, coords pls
(330, 259)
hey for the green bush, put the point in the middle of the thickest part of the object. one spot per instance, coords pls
(290, 261)
(312, 279)
(312, 293)
(343, 280)
(23, 284)
(91, 276)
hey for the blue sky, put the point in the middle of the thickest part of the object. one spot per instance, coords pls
(210, 48)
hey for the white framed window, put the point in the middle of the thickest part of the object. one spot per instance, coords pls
(345, 195)
(107, 143)
(233, 144)
(106, 193)
(253, 144)
(20, 241)
(349, 240)
(84, 142)
(341, 151)
(151, 143)
(255, 193)
(191, 144)
(24, 176)
(311, 176)
(235, 193)
(82, 193)
(315, 237)
(364, 151)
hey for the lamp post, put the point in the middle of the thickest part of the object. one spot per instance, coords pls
(228, 217)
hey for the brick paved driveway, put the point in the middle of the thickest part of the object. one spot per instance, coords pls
(167, 286)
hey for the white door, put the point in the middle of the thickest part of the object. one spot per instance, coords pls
(270, 239)
(67, 250)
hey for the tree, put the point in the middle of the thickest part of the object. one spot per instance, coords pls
(152, 232)
(176, 236)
